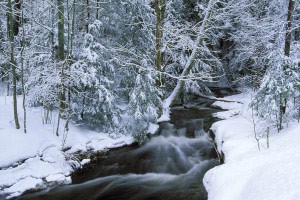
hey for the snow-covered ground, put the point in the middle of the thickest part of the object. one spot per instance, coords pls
(249, 173)
(37, 159)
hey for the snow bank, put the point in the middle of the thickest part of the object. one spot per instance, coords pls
(269, 174)
(37, 159)
(152, 128)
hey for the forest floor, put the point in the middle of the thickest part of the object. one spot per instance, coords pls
(249, 173)
(39, 158)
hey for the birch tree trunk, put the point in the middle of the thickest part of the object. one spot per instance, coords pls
(189, 64)
(70, 52)
(87, 31)
(51, 15)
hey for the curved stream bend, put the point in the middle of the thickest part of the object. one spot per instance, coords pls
(169, 166)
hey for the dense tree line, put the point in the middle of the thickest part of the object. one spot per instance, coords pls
(118, 65)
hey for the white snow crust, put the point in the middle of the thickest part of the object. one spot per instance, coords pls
(249, 173)
(38, 159)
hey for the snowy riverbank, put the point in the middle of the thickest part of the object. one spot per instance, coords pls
(37, 159)
(248, 173)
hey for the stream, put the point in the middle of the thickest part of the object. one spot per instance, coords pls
(169, 166)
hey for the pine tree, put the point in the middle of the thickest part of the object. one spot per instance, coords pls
(93, 78)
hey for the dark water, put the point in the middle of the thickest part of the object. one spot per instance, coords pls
(169, 166)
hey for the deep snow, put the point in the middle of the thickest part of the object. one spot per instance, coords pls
(38, 158)
(248, 173)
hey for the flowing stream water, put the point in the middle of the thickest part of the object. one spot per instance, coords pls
(170, 166)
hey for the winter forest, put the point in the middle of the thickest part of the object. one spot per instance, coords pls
(150, 99)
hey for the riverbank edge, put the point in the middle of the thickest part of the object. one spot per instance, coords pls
(269, 171)
(82, 158)
(50, 160)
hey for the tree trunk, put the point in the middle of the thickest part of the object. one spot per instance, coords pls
(288, 35)
(52, 13)
(70, 52)
(22, 74)
(17, 17)
(189, 64)
(287, 49)
(87, 31)
(97, 9)
(160, 6)
(61, 56)
(12, 61)
(61, 49)
(87, 20)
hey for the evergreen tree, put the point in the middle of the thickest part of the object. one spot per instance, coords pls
(93, 80)
(280, 86)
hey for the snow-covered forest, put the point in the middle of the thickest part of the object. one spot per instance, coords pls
(81, 79)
